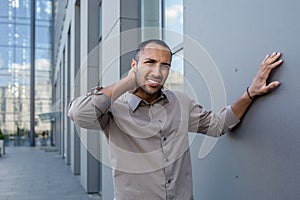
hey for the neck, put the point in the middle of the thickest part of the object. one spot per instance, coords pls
(150, 98)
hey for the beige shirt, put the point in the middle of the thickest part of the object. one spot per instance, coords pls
(149, 147)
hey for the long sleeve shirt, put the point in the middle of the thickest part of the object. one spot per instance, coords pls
(149, 147)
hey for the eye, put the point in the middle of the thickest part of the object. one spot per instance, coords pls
(165, 67)
(150, 62)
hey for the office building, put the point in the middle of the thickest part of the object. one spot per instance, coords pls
(15, 67)
(218, 47)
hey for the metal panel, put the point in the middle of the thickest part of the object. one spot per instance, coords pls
(260, 158)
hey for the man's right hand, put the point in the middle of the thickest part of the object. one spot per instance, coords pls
(131, 80)
(128, 83)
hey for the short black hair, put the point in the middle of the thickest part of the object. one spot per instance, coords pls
(144, 43)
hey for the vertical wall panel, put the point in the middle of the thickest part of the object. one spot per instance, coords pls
(110, 73)
(89, 70)
(75, 87)
(259, 159)
(66, 100)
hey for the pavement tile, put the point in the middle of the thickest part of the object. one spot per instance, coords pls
(30, 173)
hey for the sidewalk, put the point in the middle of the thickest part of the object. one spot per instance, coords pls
(29, 173)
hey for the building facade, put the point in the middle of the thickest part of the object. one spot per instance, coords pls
(217, 49)
(15, 66)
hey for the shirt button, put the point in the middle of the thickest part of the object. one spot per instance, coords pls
(166, 159)
(169, 181)
(164, 138)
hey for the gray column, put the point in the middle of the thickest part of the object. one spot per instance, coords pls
(89, 78)
(75, 81)
(32, 75)
(117, 50)
(129, 19)
(67, 92)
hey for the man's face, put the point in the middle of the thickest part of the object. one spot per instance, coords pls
(152, 69)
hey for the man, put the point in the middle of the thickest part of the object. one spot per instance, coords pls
(147, 127)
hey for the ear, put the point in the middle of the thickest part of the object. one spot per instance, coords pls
(133, 64)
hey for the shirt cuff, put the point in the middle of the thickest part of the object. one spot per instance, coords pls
(231, 119)
(101, 101)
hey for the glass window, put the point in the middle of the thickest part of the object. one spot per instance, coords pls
(43, 23)
(4, 8)
(15, 62)
(39, 107)
(43, 70)
(43, 9)
(22, 35)
(42, 39)
(43, 54)
(23, 8)
(23, 21)
(151, 17)
(21, 66)
(173, 35)
(5, 20)
(173, 22)
(6, 56)
(176, 79)
(7, 34)
(3, 57)
(5, 78)
(22, 57)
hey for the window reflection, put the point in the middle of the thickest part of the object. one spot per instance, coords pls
(15, 19)
(173, 22)
(151, 17)
(43, 9)
(21, 35)
(176, 79)
(42, 37)
(4, 8)
(22, 8)
(173, 35)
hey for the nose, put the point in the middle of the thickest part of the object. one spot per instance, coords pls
(156, 71)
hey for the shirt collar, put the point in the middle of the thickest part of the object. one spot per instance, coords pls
(134, 101)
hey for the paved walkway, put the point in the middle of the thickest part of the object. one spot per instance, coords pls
(30, 173)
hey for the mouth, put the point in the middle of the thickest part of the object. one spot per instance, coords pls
(153, 82)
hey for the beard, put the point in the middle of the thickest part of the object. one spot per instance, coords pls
(143, 88)
(148, 92)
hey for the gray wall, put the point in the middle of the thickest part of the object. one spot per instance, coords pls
(260, 158)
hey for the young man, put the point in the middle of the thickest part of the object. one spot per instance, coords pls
(147, 127)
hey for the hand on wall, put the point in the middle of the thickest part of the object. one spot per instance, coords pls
(259, 84)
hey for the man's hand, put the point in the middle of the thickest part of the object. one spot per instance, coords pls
(128, 83)
(259, 83)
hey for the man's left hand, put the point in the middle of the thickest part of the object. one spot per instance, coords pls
(259, 84)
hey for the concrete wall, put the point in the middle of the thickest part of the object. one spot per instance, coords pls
(260, 158)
